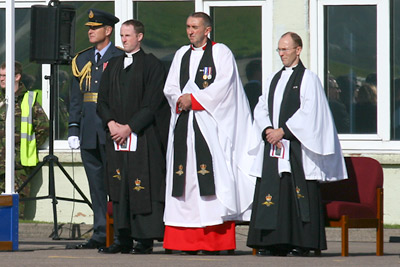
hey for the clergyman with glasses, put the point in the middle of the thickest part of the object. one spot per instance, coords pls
(296, 138)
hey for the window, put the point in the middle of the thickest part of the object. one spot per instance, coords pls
(165, 29)
(31, 71)
(228, 29)
(395, 66)
(350, 52)
(350, 75)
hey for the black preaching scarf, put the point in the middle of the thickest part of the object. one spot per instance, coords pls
(205, 171)
(268, 199)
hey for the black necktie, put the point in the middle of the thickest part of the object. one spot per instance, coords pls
(98, 56)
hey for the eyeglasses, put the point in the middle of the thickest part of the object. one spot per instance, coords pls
(284, 50)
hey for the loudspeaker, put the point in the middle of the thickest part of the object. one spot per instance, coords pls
(52, 39)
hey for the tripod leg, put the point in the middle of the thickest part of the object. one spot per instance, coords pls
(74, 184)
(33, 173)
(52, 194)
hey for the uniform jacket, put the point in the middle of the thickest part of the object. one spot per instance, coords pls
(82, 113)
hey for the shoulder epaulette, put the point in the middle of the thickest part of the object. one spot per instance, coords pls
(84, 50)
(85, 72)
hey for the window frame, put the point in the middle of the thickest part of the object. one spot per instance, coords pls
(267, 51)
(356, 143)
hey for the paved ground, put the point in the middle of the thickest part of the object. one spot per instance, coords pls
(37, 249)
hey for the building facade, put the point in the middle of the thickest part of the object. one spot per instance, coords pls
(351, 44)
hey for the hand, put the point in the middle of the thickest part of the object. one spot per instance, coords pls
(119, 132)
(73, 142)
(274, 136)
(185, 102)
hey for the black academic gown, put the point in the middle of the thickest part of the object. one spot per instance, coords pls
(136, 180)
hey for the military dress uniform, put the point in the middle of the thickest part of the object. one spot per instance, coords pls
(85, 123)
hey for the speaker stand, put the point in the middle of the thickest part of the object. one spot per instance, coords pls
(51, 159)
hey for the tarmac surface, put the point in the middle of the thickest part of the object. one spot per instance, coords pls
(36, 248)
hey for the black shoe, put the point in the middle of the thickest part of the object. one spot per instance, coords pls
(189, 252)
(262, 252)
(279, 252)
(300, 252)
(207, 252)
(141, 250)
(115, 248)
(91, 244)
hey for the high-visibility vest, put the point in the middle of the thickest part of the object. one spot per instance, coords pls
(28, 153)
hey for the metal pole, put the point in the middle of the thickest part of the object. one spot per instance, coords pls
(10, 96)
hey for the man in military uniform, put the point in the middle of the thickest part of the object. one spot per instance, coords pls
(85, 127)
(26, 103)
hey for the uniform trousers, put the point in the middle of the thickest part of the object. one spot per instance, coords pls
(94, 161)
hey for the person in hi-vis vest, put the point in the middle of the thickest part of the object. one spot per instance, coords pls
(31, 130)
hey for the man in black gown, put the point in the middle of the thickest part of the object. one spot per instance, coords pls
(136, 115)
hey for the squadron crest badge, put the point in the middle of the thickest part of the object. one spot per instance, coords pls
(298, 192)
(180, 170)
(117, 175)
(268, 201)
(138, 187)
(203, 169)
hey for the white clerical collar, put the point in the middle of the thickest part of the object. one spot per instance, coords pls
(131, 54)
(291, 68)
(201, 48)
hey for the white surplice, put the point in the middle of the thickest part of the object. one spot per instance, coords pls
(312, 124)
(226, 125)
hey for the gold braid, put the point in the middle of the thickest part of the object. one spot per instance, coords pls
(84, 73)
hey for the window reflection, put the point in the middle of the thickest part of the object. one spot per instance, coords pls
(351, 61)
(395, 59)
(32, 72)
(228, 29)
(164, 34)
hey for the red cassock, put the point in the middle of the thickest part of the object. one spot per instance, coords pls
(210, 238)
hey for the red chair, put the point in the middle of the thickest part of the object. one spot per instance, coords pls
(356, 202)
(109, 225)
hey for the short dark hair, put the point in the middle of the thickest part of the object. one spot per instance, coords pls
(137, 25)
(295, 37)
(18, 67)
(206, 18)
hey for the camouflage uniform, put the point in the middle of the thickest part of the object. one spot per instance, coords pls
(41, 126)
